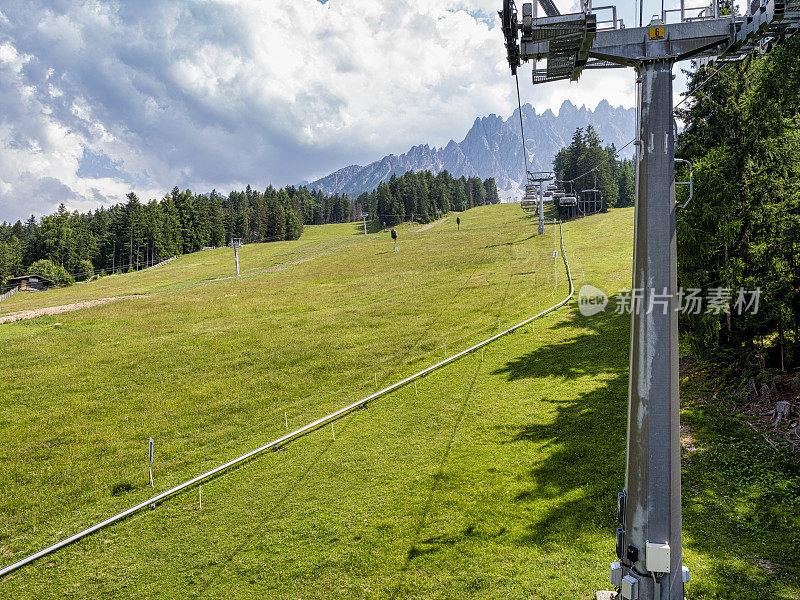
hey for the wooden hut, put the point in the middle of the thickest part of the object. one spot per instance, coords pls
(30, 283)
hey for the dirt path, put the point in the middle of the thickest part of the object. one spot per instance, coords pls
(429, 225)
(55, 310)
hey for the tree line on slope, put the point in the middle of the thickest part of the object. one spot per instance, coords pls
(70, 245)
(66, 246)
(422, 196)
(585, 164)
(742, 229)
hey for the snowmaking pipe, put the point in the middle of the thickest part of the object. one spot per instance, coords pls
(276, 443)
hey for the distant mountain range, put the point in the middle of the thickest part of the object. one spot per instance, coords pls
(493, 148)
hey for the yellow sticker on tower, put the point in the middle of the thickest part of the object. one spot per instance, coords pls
(656, 33)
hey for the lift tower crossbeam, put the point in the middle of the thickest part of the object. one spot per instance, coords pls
(649, 544)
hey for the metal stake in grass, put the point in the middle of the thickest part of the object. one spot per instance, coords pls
(200, 491)
(376, 380)
(333, 432)
(415, 387)
(235, 243)
(150, 466)
(286, 420)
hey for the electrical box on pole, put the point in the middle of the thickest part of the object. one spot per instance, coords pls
(649, 544)
(364, 216)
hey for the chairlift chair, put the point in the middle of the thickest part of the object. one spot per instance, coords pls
(569, 204)
(530, 200)
(591, 205)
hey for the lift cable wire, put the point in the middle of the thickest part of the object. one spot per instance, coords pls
(600, 164)
(687, 95)
(521, 128)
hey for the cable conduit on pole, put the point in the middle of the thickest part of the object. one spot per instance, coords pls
(276, 443)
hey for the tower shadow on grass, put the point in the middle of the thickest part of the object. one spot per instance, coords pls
(522, 241)
(573, 487)
(600, 345)
(741, 498)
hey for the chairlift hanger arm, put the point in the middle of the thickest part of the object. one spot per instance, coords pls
(690, 183)
(511, 26)
(550, 9)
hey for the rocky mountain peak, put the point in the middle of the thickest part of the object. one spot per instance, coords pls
(493, 148)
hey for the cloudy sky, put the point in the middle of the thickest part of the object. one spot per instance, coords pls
(98, 98)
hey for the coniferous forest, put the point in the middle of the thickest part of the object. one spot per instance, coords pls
(422, 196)
(742, 229)
(585, 164)
(69, 246)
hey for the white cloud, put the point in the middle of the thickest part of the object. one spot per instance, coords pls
(221, 93)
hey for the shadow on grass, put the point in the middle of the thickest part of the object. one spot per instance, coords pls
(434, 543)
(522, 241)
(373, 226)
(583, 445)
(591, 351)
(741, 497)
(213, 570)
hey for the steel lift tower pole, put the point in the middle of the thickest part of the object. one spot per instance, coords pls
(541, 208)
(649, 547)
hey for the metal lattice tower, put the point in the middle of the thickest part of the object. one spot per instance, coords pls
(649, 543)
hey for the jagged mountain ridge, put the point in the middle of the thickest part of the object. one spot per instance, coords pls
(493, 148)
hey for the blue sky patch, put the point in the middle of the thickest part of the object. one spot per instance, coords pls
(95, 165)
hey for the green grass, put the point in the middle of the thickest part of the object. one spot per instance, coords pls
(494, 478)
(197, 269)
(741, 497)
